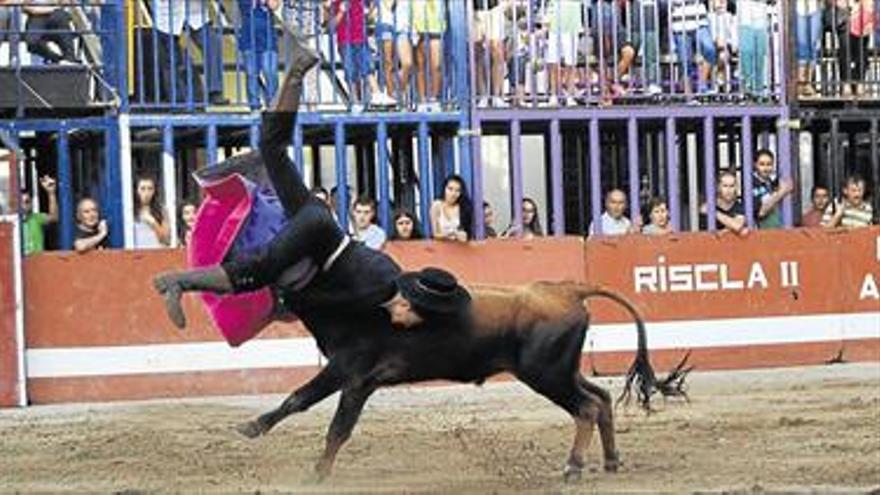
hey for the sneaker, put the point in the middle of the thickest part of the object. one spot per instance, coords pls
(498, 102)
(357, 108)
(382, 99)
(571, 102)
(483, 102)
(654, 89)
(553, 101)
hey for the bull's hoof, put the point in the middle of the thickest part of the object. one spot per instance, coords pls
(612, 465)
(251, 429)
(322, 470)
(572, 473)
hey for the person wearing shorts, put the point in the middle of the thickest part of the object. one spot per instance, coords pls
(347, 19)
(393, 32)
(429, 24)
(490, 28)
(565, 22)
(619, 34)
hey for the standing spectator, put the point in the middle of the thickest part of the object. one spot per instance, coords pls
(347, 19)
(489, 28)
(48, 32)
(730, 215)
(186, 221)
(406, 226)
(173, 19)
(820, 199)
(393, 29)
(531, 223)
(851, 211)
(693, 42)
(564, 18)
(365, 230)
(451, 216)
(754, 26)
(617, 33)
(91, 230)
(768, 190)
(429, 24)
(488, 220)
(857, 20)
(259, 48)
(150, 220)
(33, 222)
(809, 39)
(722, 25)
(658, 218)
(614, 221)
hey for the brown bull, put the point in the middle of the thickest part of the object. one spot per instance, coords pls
(536, 332)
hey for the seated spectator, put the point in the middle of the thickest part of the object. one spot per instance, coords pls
(347, 21)
(429, 24)
(186, 221)
(851, 211)
(730, 214)
(49, 32)
(451, 216)
(32, 222)
(614, 221)
(365, 230)
(489, 220)
(406, 226)
(821, 199)
(768, 191)
(564, 18)
(658, 218)
(91, 231)
(693, 43)
(722, 25)
(258, 45)
(531, 223)
(150, 220)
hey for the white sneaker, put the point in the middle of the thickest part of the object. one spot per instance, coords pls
(382, 99)
(498, 102)
(357, 108)
(483, 102)
(571, 102)
(654, 89)
(423, 108)
(553, 101)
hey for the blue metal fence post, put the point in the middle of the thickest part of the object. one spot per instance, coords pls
(516, 174)
(211, 142)
(747, 166)
(114, 52)
(384, 186)
(556, 178)
(476, 174)
(595, 176)
(672, 173)
(65, 189)
(632, 144)
(783, 163)
(299, 158)
(425, 189)
(709, 164)
(111, 204)
(254, 134)
(341, 175)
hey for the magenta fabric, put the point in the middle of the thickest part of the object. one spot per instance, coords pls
(351, 28)
(221, 216)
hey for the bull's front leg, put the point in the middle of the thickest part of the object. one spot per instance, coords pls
(351, 403)
(324, 384)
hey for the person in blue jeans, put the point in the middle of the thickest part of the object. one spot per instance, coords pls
(809, 38)
(258, 46)
(693, 41)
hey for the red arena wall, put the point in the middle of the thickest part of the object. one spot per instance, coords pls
(9, 346)
(95, 330)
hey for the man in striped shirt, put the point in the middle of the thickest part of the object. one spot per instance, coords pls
(851, 211)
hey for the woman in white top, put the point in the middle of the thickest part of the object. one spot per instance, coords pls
(151, 228)
(451, 216)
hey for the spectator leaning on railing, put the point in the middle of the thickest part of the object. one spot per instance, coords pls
(820, 200)
(365, 230)
(91, 231)
(850, 211)
(730, 214)
(768, 190)
(658, 218)
(614, 221)
(33, 222)
(451, 215)
(405, 226)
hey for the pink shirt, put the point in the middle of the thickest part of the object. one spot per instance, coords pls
(350, 29)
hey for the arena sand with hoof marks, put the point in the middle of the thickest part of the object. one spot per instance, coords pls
(814, 429)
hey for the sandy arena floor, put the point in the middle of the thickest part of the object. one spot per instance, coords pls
(805, 429)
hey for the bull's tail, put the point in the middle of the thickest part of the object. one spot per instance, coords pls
(641, 374)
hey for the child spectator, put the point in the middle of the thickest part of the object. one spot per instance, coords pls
(693, 42)
(809, 39)
(658, 218)
(489, 220)
(91, 230)
(406, 226)
(393, 28)
(32, 223)
(365, 230)
(186, 221)
(429, 24)
(722, 25)
(259, 48)
(820, 200)
(730, 215)
(853, 36)
(614, 221)
(531, 223)
(150, 220)
(564, 18)
(851, 211)
(347, 20)
(754, 26)
(768, 190)
(451, 216)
